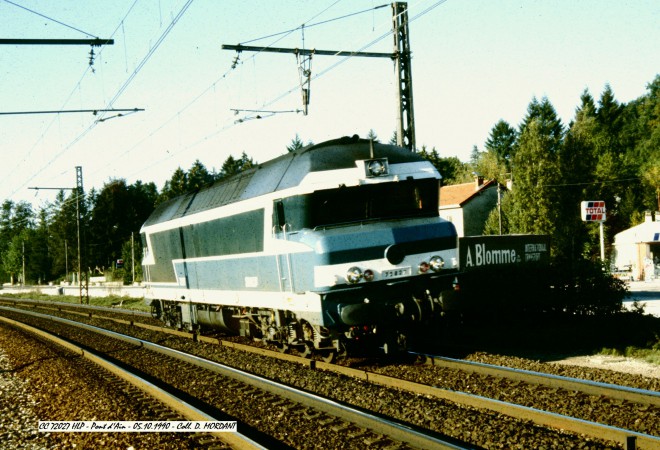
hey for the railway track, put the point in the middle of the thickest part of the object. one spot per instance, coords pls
(622, 393)
(365, 429)
(159, 404)
(625, 438)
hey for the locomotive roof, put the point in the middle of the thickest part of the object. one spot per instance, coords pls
(284, 172)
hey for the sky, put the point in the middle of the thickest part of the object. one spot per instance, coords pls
(473, 63)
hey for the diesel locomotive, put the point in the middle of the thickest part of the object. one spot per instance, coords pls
(327, 247)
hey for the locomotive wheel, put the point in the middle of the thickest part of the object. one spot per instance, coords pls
(283, 348)
(329, 356)
(307, 350)
(343, 351)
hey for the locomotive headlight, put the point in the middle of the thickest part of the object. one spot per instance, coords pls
(368, 275)
(437, 263)
(353, 275)
(376, 167)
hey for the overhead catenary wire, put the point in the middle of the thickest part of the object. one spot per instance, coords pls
(589, 183)
(223, 128)
(123, 88)
(197, 98)
(117, 94)
(230, 124)
(346, 58)
(27, 157)
(306, 25)
(49, 18)
(69, 111)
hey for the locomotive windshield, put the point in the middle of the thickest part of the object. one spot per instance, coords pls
(345, 205)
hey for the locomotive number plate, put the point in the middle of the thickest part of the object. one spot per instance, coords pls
(397, 273)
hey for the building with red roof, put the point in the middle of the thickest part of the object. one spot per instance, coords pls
(468, 205)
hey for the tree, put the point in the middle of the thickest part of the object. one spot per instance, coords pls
(651, 176)
(40, 259)
(371, 135)
(233, 166)
(12, 258)
(536, 173)
(501, 142)
(63, 234)
(474, 156)
(131, 252)
(491, 167)
(296, 144)
(576, 164)
(16, 219)
(394, 139)
(453, 171)
(609, 112)
(546, 116)
(175, 186)
(198, 177)
(119, 212)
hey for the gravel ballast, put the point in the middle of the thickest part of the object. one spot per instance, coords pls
(39, 382)
(485, 429)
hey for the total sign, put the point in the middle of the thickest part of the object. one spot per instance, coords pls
(593, 211)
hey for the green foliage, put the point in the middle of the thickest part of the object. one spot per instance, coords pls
(126, 302)
(371, 135)
(501, 143)
(119, 210)
(535, 175)
(452, 169)
(583, 288)
(296, 144)
(608, 152)
(234, 166)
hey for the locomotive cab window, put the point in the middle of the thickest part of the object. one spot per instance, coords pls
(346, 205)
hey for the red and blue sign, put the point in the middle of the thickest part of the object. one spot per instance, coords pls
(593, 211)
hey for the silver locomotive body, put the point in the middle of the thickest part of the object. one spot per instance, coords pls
(334, 243)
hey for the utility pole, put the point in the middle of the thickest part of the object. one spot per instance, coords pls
(83, 278)
(66, 260)
(132, 259)
(406, 123)
(23, 263)
(400, 56)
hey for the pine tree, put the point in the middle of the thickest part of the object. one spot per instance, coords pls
(536, 171)
(501, 142)
(296, 144)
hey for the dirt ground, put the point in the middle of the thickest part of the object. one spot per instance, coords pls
(616, 363)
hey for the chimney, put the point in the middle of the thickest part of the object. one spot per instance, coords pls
(648, 217)
(478, 182)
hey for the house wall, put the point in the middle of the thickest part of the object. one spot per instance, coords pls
(638, 248)
(477, 210)
(455, 216)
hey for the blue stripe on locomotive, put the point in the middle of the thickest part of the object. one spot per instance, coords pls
(326, 248)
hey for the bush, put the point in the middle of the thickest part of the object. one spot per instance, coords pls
(579, 288)
(585, 287)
